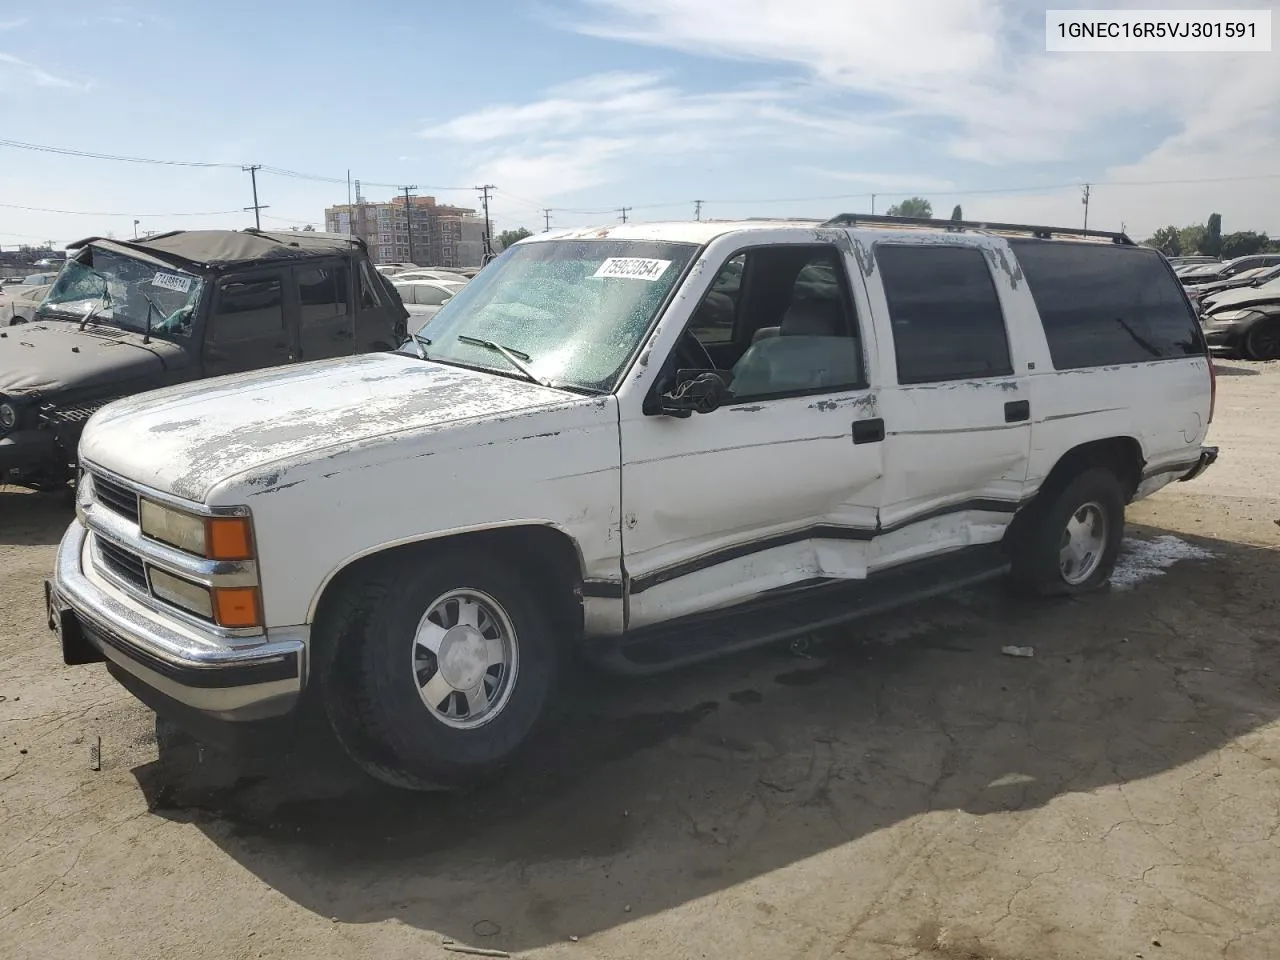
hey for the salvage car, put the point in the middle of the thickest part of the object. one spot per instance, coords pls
(18, 303)
(1223, 271)
(1206, 292)
(124, 317)
(1244, 322)
(587, 460)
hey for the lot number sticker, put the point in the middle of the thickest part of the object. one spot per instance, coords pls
(633, 268)
(172, 281)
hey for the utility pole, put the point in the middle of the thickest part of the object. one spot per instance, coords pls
(135, 228)
(488, 227)
(697, 209)
(1085, 200)
(546, 213)
(624, 213)
(873, 204)
(408, 219)
(257, 207)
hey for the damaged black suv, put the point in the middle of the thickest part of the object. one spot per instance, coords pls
(124, 317)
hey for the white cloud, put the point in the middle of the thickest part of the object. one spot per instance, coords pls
(886, 182)
(11, 24)
(977, 72)
(20, 72)
(585, 132)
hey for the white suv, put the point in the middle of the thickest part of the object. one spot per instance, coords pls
(648, 444)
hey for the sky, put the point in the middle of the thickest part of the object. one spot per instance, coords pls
(758, 108)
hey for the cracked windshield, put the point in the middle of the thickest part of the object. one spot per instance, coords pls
(639, 480)
(109, 288)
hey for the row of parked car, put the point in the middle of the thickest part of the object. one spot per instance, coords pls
(1238, 301)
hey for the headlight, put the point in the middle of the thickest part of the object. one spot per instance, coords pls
(182, 593)
(1230, 315)
(216, 538)
(8, 416)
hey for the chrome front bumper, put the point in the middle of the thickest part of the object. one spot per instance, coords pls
(227, 678)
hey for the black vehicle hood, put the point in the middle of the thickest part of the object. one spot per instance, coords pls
(52, 356)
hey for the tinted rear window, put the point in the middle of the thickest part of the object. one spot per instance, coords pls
(1105, 304)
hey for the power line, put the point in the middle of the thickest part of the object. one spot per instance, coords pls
(95, 213)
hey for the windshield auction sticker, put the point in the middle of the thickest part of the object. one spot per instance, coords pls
(172, 281)
(632, 268)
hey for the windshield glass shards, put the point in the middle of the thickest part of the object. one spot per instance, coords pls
(115, 289)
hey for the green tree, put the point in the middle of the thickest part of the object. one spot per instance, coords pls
(1243, 243)
(956, 214)
(507, 237)
(1168, 240)
(1191, 239)
(1212, 245)
(912, 207)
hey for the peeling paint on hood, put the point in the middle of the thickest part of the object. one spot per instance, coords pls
(185, 440)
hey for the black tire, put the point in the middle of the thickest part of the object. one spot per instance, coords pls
(1262, 342)
(1036, 560)
(369, 689)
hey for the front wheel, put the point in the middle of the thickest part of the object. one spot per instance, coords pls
(443, 670)
(1262, 342)
(1070, 543)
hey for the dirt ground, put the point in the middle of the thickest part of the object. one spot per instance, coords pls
(897, 790)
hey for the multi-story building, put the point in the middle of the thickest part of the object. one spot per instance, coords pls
(422, 232)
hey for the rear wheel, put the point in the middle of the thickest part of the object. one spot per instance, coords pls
(1262, 342)
(443, 670)
(1069, 544)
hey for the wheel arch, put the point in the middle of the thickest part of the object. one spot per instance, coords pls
(559, 566)
(1123, 454)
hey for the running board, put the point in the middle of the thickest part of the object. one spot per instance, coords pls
(784, 615)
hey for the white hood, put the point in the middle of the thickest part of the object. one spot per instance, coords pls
(185, 439)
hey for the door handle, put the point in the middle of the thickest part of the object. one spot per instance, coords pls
(868, 431)
(1016, 411)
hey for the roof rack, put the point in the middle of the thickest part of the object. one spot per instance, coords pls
(1040, 233)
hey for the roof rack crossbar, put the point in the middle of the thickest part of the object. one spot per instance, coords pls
(1041, 233)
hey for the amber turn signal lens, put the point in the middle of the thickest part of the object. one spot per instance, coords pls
(236, 606)
(228, 538)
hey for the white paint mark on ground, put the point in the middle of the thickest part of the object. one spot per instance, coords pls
(1141, 560)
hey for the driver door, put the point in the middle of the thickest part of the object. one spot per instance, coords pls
(780, 487)
(252, 324)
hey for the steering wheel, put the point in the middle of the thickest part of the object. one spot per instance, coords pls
(691, 354)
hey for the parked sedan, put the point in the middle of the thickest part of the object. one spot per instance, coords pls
(1201, 293)
(424, 298)
(18, 304)
(1245, 322)
(1222, 271)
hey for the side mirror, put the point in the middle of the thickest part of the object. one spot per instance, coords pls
(694, 392)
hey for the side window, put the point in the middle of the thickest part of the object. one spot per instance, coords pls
(945, 313)
(247, 309)
(806, 340)
(1104, 304)
(322, 293)
(429, 295)
(713, 321)
(370, 298)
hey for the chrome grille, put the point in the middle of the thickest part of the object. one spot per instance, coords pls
(115, 497)
(124, 564)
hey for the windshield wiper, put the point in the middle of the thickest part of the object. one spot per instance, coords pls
(420, 343)
(151, 305)
(514, 357)
(96, 309)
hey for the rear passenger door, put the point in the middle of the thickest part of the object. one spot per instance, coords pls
(326, 323)
(251, 324)
(958, 421)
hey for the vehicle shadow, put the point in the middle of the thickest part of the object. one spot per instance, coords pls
(28, 518)
(1235, 371)
(647, 795)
